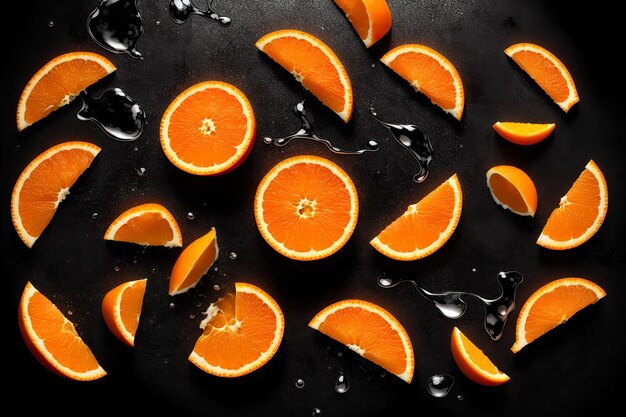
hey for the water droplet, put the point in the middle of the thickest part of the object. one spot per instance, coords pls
(165, 361)
(373, 65)
(439, 385)
(267, 141)
(340, 354)
(116, 26)
(191, 216)
(198, 304)
(140, 171)
(383, 375)
(232, 255)
(461, 146)
(51, 24)
(94, 216)
(473, 269)
(136, 148)
(158, 22)
(316, 412)
(154, 270)
(70, 313)
(342, 384)
(134, 261)
(192, 316)
(172, 305)
(133, 189)
(216, 287)
(459, 397)
(117, 269)
(299, 383)
(204, 204)
(216, 269)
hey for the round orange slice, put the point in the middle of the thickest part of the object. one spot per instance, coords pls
(241, 333)
(512, 188)
(147, 224)
(193, 263)
(474, 364)
(44, 183)
(121, 309)
(57, 83)
(524, 133)
(370, 18)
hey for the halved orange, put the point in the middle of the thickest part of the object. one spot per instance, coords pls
(524, 133)
(314, 65)
(547, 71)
(306, 207)
(512, 188)
(552, 305)
(425, 226)
(580, 213)
(372, 332)
(241, 333)
(370, 18)
(121, 309)
(430, 73)
(193, 263)
(44, 183)
(473, 362)
(147, 224)
(53, 339)
(57, 83)
(208, 129)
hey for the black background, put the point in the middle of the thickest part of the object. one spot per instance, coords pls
(574, 370)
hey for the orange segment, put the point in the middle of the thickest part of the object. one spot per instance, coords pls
(306, 208)
(512, 188)
(370, 18)
(44, 183)
(121, 309)
(314, 65)
(53, 340)
(57, 83)
(552, 305)
(241, 333)
(372, 332)
(473, 362)
(146, 224)
(425, 226)
(524, 133)
(193, 263)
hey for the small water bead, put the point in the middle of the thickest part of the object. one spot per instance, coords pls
(267, 141)
(216, 269)
(459, 397)
(473, 269)
(140, 171)
(439, 385)
(172, 305)
(299, 383)
(342, 384)
(216, 287)
(198, 304)
(136, 148)
(165, 361)
(154, 270)
(70, 313)
(191, 216)
(232, 255)
(383, 375)
(158, 22)
(316, 412)
(94, 216)
(192, 316)
(133, 189)
(51, 24)
(340, 354)
(117, 269)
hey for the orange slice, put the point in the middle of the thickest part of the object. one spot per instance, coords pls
(44, 183)
(370, 18)
(121, 309)
(547, 71)
(208, 129)
(430, 73)
(580, 213)
(552, 305)
(474, 364)
(57, 83)
(524, 133)
(512, 188)
(193, 263)
(53, 340)
(241, 333)
(425, 226)
(372, 332)
(314, 65)
(306, 208)
(146, 224)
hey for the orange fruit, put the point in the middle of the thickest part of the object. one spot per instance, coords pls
(306, 208)
(372, 332)
(425, 226)
(580, 213)
(524, 133)
(547, 71)
(121, 309)
(44, 183)
(314, 65)
(552, 305)
(430, 73)
(57, 83)
(53, 340)
(241, 333)
(512, 189)
(208, 129)
(193, 263)
(146, 224)
(474, 364)
(371, 18)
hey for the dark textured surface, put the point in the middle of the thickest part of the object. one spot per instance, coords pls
(574, 370)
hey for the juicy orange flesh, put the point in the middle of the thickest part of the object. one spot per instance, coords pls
(357, 14)
(507, 194)
(202, 261)
(477, 356)
(523, 129)
(147, 229)
(131, 304)
(543, 71)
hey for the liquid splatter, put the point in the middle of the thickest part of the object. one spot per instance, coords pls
(181, 10)
(119, 115)
(116, 26)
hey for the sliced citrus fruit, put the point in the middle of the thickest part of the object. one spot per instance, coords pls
(314, 65)
(472, 361)
(547, 71)
(241, 333)
(524, 133)
(306, 207)
(147, 224)
(53, 340)
(580, 213)
(425, 226)
(371, 331)
(512, 188)
(121, 309)
(193, 263)
(57, 83)
(552, 305)
(370, 18)
(44, 183)
(430, 73)
(208, 129)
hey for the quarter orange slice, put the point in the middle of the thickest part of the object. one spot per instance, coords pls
(371, 18)
(512, 188)
(524, 133)
(193, 263)
(474, 364)
(121, 309)
(146, 224)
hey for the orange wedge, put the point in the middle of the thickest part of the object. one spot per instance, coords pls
(524, 133)
(425, 226)
(370, 18)
(57, 83)
(121, 309)
(474, 364)
(241, 333)
(146, 224)
(430, 73)
(552, 305)
(314, 65)
(580, 213)
(44, 183)
(53, 340)
(547, 71)
(193, 263)
(372, 332)
(512, 188)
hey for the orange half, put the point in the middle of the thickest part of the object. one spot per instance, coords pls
(370, 18)
(147, 224)
(473, 362)
(524, 133)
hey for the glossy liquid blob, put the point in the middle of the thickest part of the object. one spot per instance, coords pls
(342, 384)
(439, 385)
(116, 26)
(181, 10)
